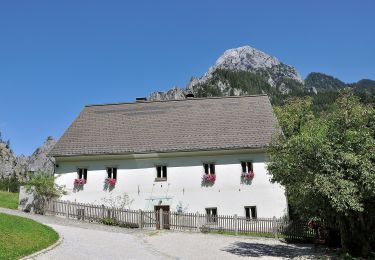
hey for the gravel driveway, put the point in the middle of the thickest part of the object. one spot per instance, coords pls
(83, 240)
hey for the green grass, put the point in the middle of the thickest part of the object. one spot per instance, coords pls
(8, 200)
(20, 236)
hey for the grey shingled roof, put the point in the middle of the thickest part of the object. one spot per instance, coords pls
(170, 126)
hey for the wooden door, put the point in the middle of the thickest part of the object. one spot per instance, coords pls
(165, 216)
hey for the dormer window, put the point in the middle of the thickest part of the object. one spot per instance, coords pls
(112, 173)
(247, 166)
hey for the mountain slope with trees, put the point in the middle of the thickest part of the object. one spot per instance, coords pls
(247, 71)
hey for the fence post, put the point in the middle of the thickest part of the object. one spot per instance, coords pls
(140, 219)
(161, 220)
(67, 209)
(103, 212)
(274, 226)
(236, 224)
(197, 221)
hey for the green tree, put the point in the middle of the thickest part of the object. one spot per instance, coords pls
(44, 188)
(327, 165)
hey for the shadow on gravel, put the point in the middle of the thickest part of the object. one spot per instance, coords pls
(258, 250)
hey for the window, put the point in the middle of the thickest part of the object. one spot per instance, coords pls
(209, 168)
(247, 166)
(82, 173)
(211, 215)
(112, 173)
(251, 212)
(161, 173)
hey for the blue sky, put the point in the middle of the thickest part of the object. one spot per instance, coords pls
(57, 56)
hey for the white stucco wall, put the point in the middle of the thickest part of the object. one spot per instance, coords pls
(136, 177)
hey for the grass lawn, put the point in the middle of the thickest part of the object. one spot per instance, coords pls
(20, 236)
(8, 200)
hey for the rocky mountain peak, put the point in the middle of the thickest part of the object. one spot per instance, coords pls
(245, 58)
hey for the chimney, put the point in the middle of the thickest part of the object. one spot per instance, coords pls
(140, 99)
(190, 95)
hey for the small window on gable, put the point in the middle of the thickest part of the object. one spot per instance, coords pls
(112, 173)
(209, 168)
(251, 212)
(82, 173)
(161, 173)
(247, 166)
(211, 215)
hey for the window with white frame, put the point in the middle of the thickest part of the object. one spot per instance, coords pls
(112, 173)
(211, 215)
(161, 173)
(209, 168)
(82, 173)
(247, 166)
(251, 212)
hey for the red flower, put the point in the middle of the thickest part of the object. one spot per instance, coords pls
(111, 181)
(250, 175)
(209, 178)
(79, 181)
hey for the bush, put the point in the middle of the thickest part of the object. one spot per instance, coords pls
(115, 222)
(11, 184)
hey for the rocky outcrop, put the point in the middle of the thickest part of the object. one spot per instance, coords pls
(19, 166)
(40, 160)
(172, 94)
(244, 58)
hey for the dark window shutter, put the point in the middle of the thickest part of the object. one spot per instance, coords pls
(243, 164)
(253, 212)
(158, 170)
(79, 173)
(205, 168)
(212, 168)
(247, 212)
(85, 174)
(164, 171)
(250, 166)
(114, 173)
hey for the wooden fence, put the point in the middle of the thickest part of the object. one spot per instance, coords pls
(272, 227)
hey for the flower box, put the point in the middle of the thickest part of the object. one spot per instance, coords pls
(209, 178)
(79, 182)
(111, 182)
(248, 175)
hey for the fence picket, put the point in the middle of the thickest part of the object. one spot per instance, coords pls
(182, 221)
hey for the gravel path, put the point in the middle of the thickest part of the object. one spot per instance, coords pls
(189, 245)
(83, 240)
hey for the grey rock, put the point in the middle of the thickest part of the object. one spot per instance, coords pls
(19, 166)
(244, 58)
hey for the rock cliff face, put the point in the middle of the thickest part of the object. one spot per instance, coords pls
(246, 59)
(39, 160)
(249, 59)
(19, 166)
(247, 71)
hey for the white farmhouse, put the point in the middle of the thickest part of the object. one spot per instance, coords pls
(193, 155)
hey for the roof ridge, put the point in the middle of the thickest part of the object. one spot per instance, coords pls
(173, 100)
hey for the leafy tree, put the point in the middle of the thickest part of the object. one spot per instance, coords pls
(44, 188)
(327, 165)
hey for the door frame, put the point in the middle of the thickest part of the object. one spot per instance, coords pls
(166, 217)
